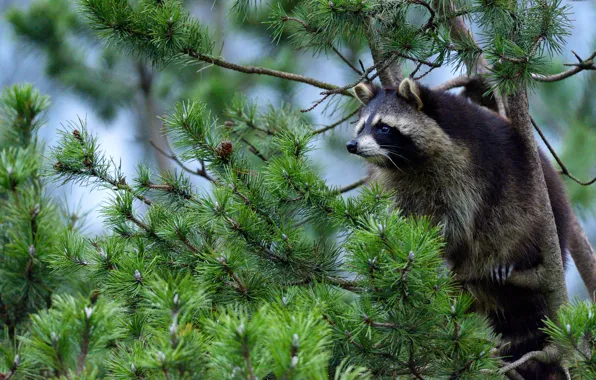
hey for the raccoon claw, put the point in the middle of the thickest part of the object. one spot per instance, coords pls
(501, 273)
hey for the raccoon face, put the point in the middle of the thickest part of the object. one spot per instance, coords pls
(392, 131)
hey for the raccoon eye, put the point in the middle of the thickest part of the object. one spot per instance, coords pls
(383, 129)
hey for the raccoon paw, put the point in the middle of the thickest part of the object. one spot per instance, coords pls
(501, 273)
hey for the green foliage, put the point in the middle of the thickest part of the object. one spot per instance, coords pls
(233, 282)
(271, 273)
(30, 222)
(575, 331)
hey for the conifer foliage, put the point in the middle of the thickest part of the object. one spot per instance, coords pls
(239, 281)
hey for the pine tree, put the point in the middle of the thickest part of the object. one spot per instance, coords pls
(240, 281)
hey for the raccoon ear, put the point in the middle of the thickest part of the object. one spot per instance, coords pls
(409, 89)
(364, 92)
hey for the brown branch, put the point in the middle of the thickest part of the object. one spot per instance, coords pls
(202, 172)
(386, 325)
(253, 149)
(342, 283)
(84, 344)
(564, 169)
(304, 110)
(587, 64)
(233, 275)
(346, 61)
(431, 20)
(548, 355)
(331, 126)
(261, 71)
(352, 186)
(564, 74)
(458, 31)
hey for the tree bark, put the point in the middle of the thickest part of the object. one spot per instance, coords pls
(584, 257)
(551, 275)
(392, 75)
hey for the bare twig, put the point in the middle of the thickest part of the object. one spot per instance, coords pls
(331, 126)
(564, 169)
(315, 104)
(587, 64)
(347, 62)
(431, 20)
(202, 172)
(352, 186)
(253, 149)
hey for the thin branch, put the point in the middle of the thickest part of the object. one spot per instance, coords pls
(84, 344)
(564, 169)
(310, 29)
(315, 104)
(587, 64)
(202, 172)
(347, 62)
(431, 20)
(370, 322)
(263, 71)
(234, 276)
(352, 186)
(342, 283)
(331, 126)
(253, 149)
(383, 65)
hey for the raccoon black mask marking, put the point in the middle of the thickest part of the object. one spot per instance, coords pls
(469, 170)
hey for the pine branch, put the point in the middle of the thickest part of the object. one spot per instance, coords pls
(309, 29)
(587, 64)
(262, 71)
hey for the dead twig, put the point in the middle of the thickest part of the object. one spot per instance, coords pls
(564, 169)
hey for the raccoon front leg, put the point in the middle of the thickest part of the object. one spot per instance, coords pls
(501, 273)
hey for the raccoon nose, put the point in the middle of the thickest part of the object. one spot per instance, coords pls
(352, 146)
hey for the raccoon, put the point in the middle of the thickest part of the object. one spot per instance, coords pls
(466, 168)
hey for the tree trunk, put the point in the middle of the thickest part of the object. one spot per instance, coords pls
(550, 275)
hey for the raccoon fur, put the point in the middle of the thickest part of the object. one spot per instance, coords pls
(466, 168)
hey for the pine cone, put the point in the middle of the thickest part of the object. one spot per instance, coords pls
(224, 149)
